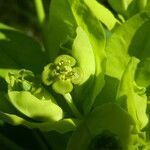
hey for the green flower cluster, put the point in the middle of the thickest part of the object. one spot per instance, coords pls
(62, 74)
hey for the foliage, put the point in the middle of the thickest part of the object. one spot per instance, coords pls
(89, 75)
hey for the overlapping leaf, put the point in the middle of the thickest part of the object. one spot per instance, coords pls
(119, 43)
(133, 96)
(108, 117)
(19, 51)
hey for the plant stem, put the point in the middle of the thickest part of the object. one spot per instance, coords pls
(72, 106)
(43, 24)
(40, 11)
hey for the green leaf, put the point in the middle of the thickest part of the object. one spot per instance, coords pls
(92, 27)
(128, 8)
(109, 91)
(20, 50)
(143, 4)
(107, 117)
(61, 26)
(112, 118)
(119, 43)
(142, 76)
(61, 126)
(133, 96)
(121, 6)
(82, 51)
(80, 139)
(40, 110)
(147, 7)
(140, 44)
(102, 14)
(7, 107)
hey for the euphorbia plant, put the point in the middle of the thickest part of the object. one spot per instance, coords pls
(91, 78)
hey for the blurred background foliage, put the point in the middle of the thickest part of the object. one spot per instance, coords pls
(21, 14)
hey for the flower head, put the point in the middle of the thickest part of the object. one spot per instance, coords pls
(62, 74)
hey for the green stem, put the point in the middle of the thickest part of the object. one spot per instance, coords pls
(40, 11)
(72, 106)
(42, 23)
